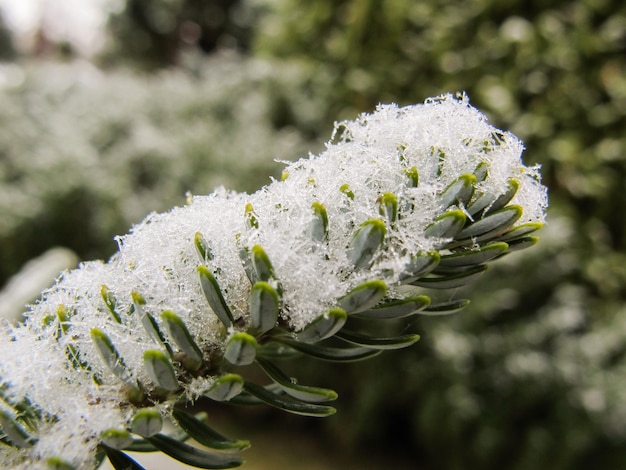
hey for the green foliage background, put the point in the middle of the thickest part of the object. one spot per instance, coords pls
(532, 374)
(85, 153)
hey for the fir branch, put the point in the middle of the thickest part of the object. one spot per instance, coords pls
(407, 199)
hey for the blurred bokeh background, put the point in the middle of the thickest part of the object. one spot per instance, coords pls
(110, 109)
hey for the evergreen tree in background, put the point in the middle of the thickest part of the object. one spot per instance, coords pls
(7, 51)
(153, 33)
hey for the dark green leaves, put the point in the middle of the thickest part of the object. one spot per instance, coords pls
(397, 342)
(329, 353)
(481, 172)
(419, 264)
(398, 308)
(146, 422)
(451, 281)
(111, 303)
(488, 202)
(64, 325)
(491, 225)
(323, 326)
(506, 197)
(288, 404)
(148, 321)
(319, 225)
(388, 206)
(459, 192)
(474, 257)
(522, 243)
(345, 189)
(116, 438)
(160, 369)
(291, 387)
(202, 247)
(480, 203)
(446, 225)
(258, 267)
(192, 455)
(240, 349)
(264, 307)
(226, 387)
(413, 177)
(261, 263)
(445, 308)
(251, 216)
(204, 434)
(366, 241)
(521, 231)
(214, 296)
(120, 460)
(16, 434)
(63, 316)
(111, 357)
(363, 297)
(181, 336)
